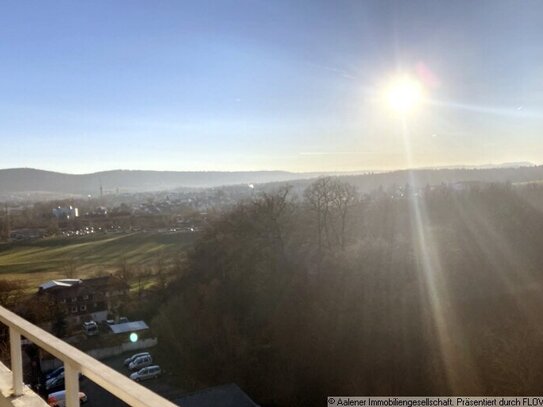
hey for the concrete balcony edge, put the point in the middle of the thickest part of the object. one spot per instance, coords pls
(27, 399)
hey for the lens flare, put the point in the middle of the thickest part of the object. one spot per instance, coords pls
(404, 94)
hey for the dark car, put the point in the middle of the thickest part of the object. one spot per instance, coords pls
(57, 382)
(54, 373)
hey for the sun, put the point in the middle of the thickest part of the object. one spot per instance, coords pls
(404, 94)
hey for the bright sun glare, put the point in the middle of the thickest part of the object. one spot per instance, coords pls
(404, 94)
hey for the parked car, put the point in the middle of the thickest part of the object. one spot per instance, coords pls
(129, 360)
(149, 372)
(142, 361)
(57, 382)
(54, 373)
(58, 399)
(90, 328)
(123, 320)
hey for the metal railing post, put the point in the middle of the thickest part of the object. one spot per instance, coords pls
(16, 361)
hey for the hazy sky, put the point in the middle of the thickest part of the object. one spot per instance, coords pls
(247, 85)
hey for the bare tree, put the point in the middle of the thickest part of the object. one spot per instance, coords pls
(319, 197)
(143, 276)
(330, 200)
(343, 197)
(10, 292)
(124, 273)
(161, 271)
(70, 268)
(271, 209)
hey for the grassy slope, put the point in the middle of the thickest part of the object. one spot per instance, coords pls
(35, 262)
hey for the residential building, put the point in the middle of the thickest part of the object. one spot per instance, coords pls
(84, 300)
(68, 212)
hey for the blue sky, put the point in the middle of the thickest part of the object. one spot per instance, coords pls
(251, 85)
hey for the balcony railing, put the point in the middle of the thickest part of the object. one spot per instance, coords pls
(75, 362)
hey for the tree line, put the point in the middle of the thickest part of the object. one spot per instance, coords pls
(399, 292)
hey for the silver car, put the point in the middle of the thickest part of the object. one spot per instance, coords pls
(149, 372)
(129, 360)
(140, 362)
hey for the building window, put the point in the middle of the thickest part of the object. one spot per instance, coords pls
(74, 309)
(63, 300)
(74, 299)
(83, 308)
(86, 297)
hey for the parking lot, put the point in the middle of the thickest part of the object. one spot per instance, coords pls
(100, 397)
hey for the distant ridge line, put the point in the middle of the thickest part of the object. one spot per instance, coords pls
(30, 180)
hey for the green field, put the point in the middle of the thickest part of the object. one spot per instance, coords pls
(39, 261)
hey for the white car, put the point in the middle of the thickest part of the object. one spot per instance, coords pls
(149, 372)
(140, 362)
(129, 360)
(58, 399)
(90, 328)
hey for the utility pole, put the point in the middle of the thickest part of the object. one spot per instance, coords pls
(6, 231)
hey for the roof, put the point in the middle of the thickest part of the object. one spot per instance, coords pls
(67, 282)
(73, 287)
(129, 327)
(228, 395)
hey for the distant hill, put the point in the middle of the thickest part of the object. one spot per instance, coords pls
(518, 164)
(419, 178)
(19, 181)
